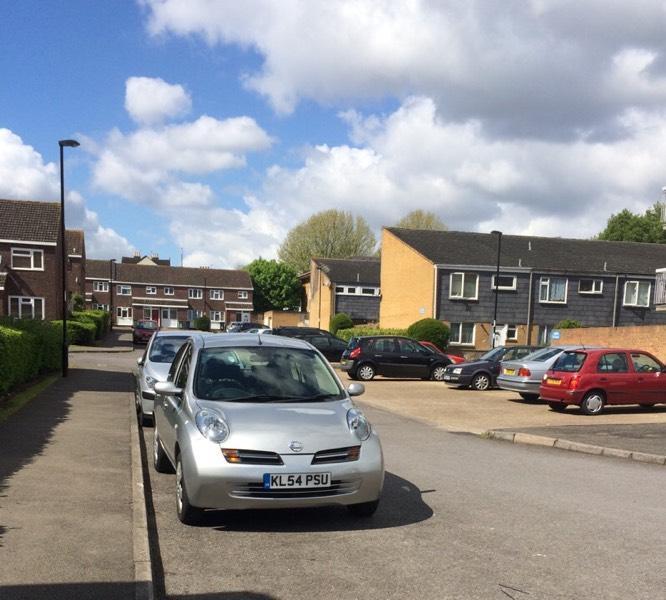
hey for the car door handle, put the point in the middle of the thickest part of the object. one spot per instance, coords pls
(379, 355)
(401, 356)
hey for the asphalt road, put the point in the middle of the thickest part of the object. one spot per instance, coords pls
(461, 517)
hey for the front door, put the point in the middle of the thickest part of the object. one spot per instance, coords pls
(616, 379)
(155, 315)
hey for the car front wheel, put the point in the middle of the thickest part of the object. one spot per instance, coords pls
(593, 403)
(437, 373)
(365, 372)
(481, 382)
(188, 514)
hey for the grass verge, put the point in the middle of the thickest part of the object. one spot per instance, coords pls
(15, 402)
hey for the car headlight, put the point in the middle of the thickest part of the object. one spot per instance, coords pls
(150, 381)
(457, 371)
(358, 424)
(211, 425)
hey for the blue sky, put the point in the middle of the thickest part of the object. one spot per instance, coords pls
(544, 117)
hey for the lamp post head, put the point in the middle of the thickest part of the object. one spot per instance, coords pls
(495, 232)
(68, 143)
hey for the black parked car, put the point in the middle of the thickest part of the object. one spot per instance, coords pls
(391, 356)
(238, 326)
(330, 346)
(482, 374)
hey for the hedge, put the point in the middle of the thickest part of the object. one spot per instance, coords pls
(340, 321)
(345, 334)
(99, 318)
(81, 333)
(27, 349)
(202, 323)
(430, 330)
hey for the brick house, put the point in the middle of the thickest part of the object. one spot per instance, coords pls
(342, 285)
(147, 287)
(450, 275)
(30, 259)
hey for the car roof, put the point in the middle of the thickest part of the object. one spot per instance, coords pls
(214, 340)
(178, 333)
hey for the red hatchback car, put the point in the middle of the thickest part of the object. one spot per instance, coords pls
(592, 379)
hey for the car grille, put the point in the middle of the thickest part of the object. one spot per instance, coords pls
(336, 455)
(256, 490)
(252, 457)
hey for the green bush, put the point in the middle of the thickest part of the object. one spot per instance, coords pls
(202, 323)
(81, 333)
(77, 302)
(568, 324)
(340, 321)
(346, 334)
(100, 318)
(430, 330)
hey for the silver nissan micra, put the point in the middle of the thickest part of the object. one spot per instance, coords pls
(250, 421)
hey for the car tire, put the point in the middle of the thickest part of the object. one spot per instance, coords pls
(437, 374)
(646, 406)
(593, 403)
(365, 509)
(187, 514)
(161, 461)
(481, 382)
(529, 397)
(365, 372)
(557, 406)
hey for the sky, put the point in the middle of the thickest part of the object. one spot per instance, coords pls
(210, 128)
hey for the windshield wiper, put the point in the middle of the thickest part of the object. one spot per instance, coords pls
(313, 398)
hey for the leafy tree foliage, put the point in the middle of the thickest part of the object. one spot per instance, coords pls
(568, 324)
(327, 234)
(430, 330)
(626, 226)
(421, 219)
(340, 321)
(276, 285)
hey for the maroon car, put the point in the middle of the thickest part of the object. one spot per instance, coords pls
(592, 379)
(143, 331)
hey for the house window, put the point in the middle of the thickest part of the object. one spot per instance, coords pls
(195, 293)
(100, 286)
(26, 307)
(26, 259)
(193, 314)
(504, 282)
(168, 291)
(590, 286)
(151, 290)
(553, 290)
(511, 333)
(368, 291)
(96, 306)
(464, 286)
(124, 290)
(462, 333)
(242, 295)
(124, 312)
(216, 295)
(216, 316)
(637, 293)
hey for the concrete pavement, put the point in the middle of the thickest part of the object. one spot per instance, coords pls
(66, 490)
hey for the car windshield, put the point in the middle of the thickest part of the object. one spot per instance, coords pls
(494, 354)
(264, 374)
(164, 348)
(570, 362)
(544, 354)
(147, 325)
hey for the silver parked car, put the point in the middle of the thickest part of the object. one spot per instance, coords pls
(252, 421)
(154, 366)
(524, 376)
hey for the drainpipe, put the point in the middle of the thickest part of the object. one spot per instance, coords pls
(529, 311)
(617, 286)
(434, 293)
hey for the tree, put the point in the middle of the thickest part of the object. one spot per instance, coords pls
(276, 285)
(327, 234)
(626, 226)
(430, 330)
(421, 219)
(340, 321)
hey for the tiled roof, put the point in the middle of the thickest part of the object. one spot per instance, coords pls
(29, 220)
(538, 253)
(75, 241)
(159, 275)
(360, 269)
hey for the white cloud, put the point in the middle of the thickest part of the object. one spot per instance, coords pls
(150, 101)
(25, 176)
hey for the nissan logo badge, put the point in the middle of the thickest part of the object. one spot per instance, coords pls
(295, 446)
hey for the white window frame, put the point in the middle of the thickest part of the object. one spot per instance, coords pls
(509, 337)
(636, 283)
(547, 280)
(462, 287)
(213, 313)
(100, 286)
(124, 290)
(459, 326)
(169, 291)
(195, 293)
(501, 288)
(151, 290)
(27, 253)
(242, 295)
(346, 290)
(96, 306)
(594, 292)
(126, 309)
(26, 301)
(216, 294)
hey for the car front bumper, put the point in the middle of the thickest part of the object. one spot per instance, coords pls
(212, 482)
(518, 384)
(457, 379)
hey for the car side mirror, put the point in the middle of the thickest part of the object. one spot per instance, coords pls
(356, 389)
(168, 388)
(139, 361)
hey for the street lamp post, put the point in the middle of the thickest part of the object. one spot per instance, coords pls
(112, 261)
(497, 272)
(63, 253)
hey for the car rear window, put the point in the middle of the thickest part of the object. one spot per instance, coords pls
(570, 362)
(545, 354)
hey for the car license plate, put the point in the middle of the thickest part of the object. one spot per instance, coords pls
(274, 481)
(509, 371)
(550, 381)
(447, 377)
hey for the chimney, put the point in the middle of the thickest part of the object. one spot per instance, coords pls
(137, 254)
